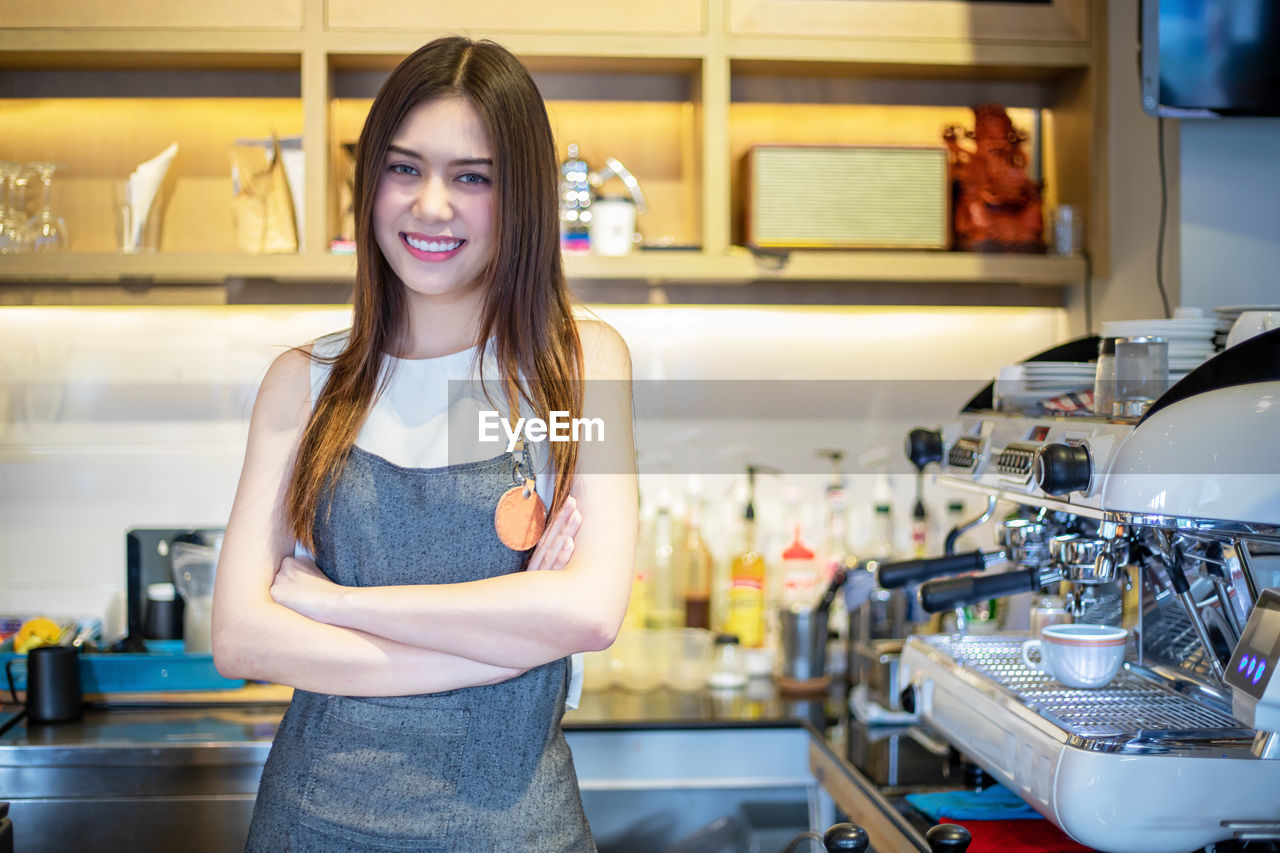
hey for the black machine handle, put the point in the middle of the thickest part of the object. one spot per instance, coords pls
(950, 593)
(903, 572)
(845, 838)
(948, 838)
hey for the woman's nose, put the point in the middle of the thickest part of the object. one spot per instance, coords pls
(432, 202)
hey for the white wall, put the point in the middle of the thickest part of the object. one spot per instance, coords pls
(1128, 291)
(112, 418)
(1230, 171)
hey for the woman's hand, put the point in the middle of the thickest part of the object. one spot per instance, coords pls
(556, 545)
(303, 588)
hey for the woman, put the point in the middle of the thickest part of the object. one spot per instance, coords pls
(429, 658)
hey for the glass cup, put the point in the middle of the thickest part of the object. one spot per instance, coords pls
(1142, 373)
(1104, 381)
(1048, 610)
(194, 567)
(691, 658)
(47, 231)
(137, 227)
(1067, 231)
(14, 238)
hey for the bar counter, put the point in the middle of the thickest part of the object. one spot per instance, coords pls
(136, 775)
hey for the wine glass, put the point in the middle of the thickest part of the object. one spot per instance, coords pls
(47, 231)
(13, 232)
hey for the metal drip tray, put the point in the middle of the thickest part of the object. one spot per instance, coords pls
(1143, 765)
(1129, 705)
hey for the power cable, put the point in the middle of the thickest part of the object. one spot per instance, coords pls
(1164, 216)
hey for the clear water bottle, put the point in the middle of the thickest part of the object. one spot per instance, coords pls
(575, 203)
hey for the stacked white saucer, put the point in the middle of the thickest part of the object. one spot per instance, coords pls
(1190, 335)
(1052, 378)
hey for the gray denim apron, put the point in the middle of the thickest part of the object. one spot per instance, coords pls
(476, 769)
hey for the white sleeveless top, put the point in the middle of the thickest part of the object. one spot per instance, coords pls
(409, 422)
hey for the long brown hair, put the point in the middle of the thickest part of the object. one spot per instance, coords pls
(526, 307)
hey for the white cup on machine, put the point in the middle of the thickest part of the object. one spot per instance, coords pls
(1078, 655)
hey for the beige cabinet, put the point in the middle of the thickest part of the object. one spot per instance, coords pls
(151, 14)
(655, 17)
(1050, 21)
(679, 110)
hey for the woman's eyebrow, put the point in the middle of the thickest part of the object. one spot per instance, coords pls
(465, 161)
(405, 152)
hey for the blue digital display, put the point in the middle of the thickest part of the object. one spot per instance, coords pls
(1257, 654)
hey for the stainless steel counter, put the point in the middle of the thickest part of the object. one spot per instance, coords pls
(140, 779)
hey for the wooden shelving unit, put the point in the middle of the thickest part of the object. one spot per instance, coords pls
(696, 75)
(655, 267)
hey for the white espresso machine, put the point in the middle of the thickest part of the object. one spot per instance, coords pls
(1167, 526)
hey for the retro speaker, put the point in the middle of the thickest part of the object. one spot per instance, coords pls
(846, 197)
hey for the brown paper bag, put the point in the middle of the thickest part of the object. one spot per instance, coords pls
(263, 207)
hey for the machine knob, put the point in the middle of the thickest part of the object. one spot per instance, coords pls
(846, 838)
(924, 446)
(948, 838)
(1062, 468)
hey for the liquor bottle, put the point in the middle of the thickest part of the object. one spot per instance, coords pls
(664, 596)
(637, 615)
(747, 578)
(800, 573)
(697, 568)
(835, 551)
(883, 541)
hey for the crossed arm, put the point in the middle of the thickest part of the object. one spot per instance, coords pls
(279, 619)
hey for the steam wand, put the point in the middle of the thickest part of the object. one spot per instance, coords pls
(1171, 554)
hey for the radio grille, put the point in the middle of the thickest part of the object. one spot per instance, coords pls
(847, 196)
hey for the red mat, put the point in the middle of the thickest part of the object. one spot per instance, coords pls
(1018, 836)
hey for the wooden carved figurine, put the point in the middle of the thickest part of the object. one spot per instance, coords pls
(997, 205)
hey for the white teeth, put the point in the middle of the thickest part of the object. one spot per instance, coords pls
(432, 245)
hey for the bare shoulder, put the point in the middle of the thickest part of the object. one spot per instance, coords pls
(604, 353)
(284, 397)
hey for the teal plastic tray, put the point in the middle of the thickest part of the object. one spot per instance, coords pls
(164, 666)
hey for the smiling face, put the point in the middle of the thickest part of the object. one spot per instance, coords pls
(433, 209)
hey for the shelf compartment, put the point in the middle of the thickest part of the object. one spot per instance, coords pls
(843, 124)
(99, 141)
(645, 117)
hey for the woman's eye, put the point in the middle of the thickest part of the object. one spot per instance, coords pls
(402, 169)
(473, 178)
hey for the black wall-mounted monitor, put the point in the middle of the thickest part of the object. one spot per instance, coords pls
(1210, 58)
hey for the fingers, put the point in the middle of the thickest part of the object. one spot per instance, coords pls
(551, 554)
(562, 558)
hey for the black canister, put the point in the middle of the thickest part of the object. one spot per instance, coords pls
(164, 613)
(53, 684)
